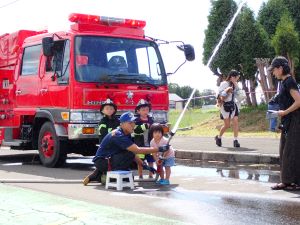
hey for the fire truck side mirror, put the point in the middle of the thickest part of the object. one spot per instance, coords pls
(189, 52)
(47, 43)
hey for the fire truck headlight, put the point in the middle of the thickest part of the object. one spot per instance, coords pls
(88, 116)
(160, 117)
(76, 116)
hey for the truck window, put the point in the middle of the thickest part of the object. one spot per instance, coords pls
(59, 62)
(118, 60)
(152, 69)
(31, 59)
(64, 78)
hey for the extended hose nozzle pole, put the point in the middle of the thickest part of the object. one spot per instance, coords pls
(173, 131)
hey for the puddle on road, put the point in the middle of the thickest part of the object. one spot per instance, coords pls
(187, 168)
(259, 172)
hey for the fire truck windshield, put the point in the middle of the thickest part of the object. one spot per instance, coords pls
(118, 60)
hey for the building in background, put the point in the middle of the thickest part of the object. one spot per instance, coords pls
(175, 101)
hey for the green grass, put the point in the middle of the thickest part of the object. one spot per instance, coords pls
(190, 117)
(198, 122)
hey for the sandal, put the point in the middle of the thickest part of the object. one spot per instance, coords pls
(288, 187)
(292, 187)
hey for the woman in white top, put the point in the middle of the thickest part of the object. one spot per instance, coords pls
(228, 92)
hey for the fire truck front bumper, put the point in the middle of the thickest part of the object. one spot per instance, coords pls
(83, 131)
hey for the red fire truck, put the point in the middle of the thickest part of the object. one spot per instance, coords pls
(52, 84)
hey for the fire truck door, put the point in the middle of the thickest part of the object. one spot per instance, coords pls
(55, 70)
(28, 81)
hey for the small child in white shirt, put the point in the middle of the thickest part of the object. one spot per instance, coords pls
(167, 159)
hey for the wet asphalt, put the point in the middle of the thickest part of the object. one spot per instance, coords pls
(201, 192)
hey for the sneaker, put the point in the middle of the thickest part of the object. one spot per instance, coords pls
(86, 180)
(164, 182)
(158, 181)
(236, 144)
(218, 141)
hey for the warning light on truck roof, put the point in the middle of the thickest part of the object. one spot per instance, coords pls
(104, 20)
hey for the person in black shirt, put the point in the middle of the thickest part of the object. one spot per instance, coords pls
(289, 104)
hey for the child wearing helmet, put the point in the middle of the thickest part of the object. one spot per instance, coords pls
(141, 133)
(109, 121)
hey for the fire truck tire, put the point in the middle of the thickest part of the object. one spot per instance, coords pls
(51, 150)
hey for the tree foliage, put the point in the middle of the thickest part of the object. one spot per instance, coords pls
(286, 40)
(220, 15)
(270, 14)
(294, 10)
(248, 40)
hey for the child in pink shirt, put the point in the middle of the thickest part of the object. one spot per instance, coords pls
(167, 159)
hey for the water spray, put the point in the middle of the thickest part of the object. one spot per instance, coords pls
(173, 131)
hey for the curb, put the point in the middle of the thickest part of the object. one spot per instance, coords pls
(234, 157)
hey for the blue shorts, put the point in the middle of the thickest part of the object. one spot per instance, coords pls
(169, 161)
(149, 158)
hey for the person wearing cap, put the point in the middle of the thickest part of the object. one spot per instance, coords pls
(141, 133)
(289, 112)
(117, 150)
(109, 121)
(227, 92)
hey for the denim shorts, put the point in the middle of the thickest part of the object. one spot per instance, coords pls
(169, 161)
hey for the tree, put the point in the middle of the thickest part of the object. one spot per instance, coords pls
(221, 13)
(242, 45)
(185, 92)
(246, 35)
(286, 40)
(174, 88)
(294, 9)
(270, 14)
(262, 59)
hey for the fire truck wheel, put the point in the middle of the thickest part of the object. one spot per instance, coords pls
(51, 150)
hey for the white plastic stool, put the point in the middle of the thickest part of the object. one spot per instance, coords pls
(119, 175)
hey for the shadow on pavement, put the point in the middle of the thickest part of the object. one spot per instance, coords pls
(241, 149)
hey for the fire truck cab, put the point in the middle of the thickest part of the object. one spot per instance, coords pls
(52, 84)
